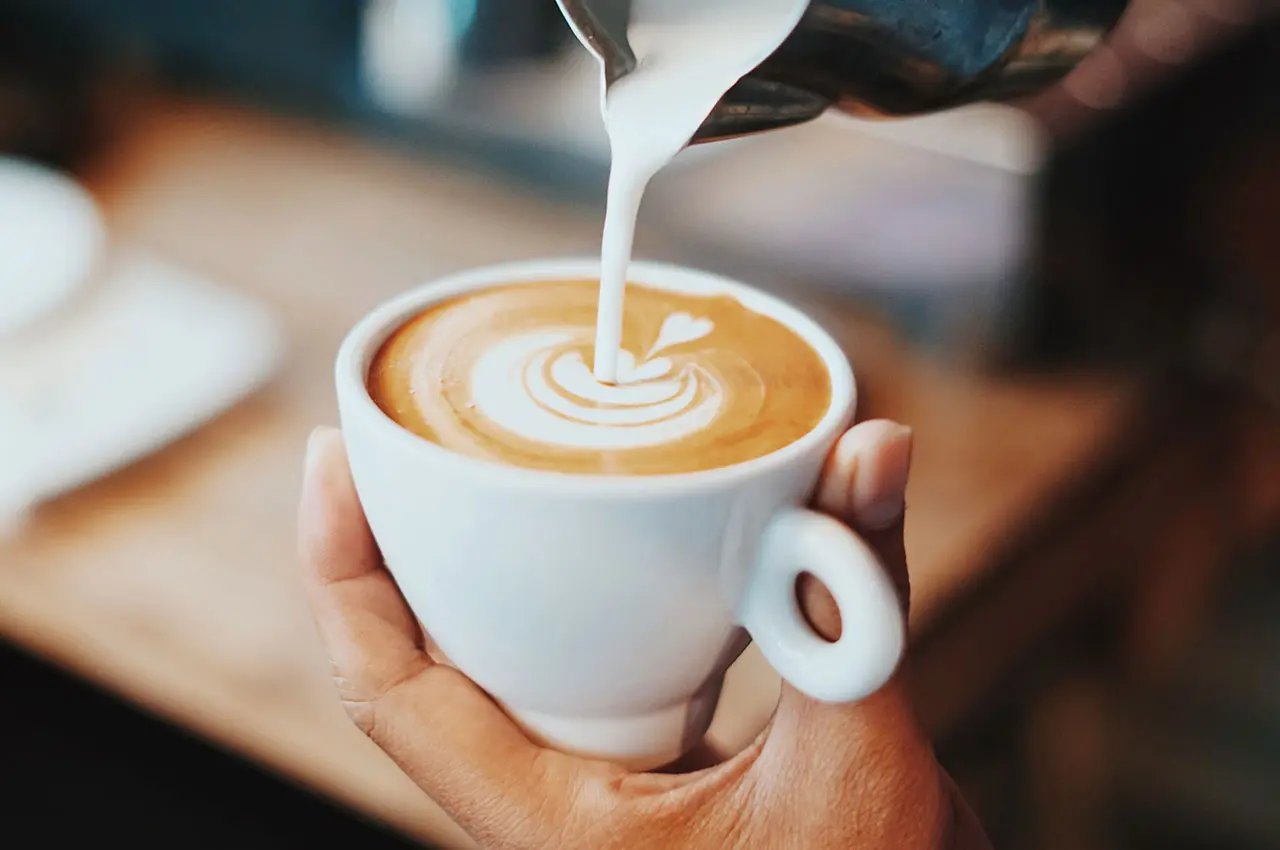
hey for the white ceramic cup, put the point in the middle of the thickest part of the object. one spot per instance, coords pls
(603, 611)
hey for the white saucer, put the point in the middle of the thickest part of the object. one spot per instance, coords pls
(151, 353)
(51, 235)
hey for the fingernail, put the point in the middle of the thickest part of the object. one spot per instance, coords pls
(880, 481)
(314, 443)
(835, 493)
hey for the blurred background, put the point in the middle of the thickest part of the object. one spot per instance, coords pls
(1075, 301)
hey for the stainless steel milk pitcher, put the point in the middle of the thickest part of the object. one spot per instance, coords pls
(889, 57)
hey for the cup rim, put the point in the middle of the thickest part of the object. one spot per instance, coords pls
(364, 339)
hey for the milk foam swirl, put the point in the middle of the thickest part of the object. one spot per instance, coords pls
(505, 374)
(539, 386)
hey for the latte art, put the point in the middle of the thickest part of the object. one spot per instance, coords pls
(506, 374)
(555, 398)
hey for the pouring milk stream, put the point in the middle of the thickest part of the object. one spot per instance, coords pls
(689, 54)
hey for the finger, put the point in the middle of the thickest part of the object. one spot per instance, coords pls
(437, 725)
(865, 480)
(864, 485)
(372, 638)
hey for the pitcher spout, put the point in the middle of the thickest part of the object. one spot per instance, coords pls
(754, 105)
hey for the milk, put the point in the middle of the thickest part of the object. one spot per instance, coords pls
(690, 53)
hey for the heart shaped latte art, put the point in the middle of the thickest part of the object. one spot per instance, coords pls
(679, 328)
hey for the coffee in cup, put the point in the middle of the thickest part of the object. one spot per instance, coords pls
(505, 374)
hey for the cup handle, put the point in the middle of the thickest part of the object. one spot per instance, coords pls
(856, 665)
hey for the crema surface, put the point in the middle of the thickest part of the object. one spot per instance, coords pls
(505, 374)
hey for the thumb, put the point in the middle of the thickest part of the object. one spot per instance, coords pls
(873, 757)
(864, 486)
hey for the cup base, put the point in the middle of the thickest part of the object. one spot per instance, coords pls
(637, 742)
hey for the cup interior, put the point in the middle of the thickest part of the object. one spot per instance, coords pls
(365, 339)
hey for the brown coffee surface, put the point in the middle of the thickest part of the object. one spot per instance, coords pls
(504, 374)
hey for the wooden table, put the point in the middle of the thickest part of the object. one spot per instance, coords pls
(173, 582)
